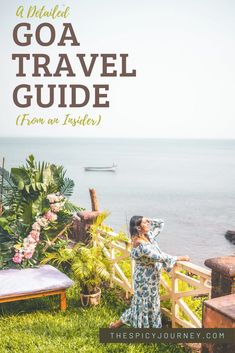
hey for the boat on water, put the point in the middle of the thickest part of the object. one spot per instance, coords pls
(101, 169)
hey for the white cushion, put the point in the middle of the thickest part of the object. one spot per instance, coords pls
(30, 280)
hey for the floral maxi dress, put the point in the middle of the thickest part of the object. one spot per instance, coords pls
(144, 311)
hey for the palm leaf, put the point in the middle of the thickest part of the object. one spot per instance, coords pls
(67, 188)
(5, 176)
(70, 207)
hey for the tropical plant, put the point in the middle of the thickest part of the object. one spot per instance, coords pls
(25, 194)
(89, 263)
(98, 228)
(25, 188)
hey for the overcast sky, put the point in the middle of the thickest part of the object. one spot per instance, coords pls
(183, 52)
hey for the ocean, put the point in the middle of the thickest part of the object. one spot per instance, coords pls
(190, 184)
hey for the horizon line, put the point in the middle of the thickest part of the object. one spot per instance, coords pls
(116, 137)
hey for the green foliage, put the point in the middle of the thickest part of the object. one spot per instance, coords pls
(26, 187)
(98, 229)
(24, 197)
(88, 263)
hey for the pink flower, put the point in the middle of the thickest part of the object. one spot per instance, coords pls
(50, 216)
(36, 227)
(51, 197)
(28, 254)
(56, 207)
(42, 221)
(60, 198)
(17, 258)
(55, 197)
(34, 235)
(28, 241)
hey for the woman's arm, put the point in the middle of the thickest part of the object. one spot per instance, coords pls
(156, 226)
(156, 255)
(170, 261)
(150, 251)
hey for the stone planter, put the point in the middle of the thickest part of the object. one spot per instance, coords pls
(90, 299)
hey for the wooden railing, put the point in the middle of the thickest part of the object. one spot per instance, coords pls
(193, 280)
(118, 252)
(185, 272)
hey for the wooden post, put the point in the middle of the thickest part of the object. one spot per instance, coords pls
(63, 304)
(112, 257)
(94, 201)
(132, 274)
(175, 306)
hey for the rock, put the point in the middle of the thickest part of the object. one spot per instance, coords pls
(81, 224)
(230, 235)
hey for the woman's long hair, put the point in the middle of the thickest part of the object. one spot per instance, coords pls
(135, 222)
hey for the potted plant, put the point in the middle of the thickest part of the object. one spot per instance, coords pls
(89, 266)
(88, 263)
(97, 265)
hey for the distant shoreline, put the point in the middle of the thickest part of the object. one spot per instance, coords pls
(115, 138)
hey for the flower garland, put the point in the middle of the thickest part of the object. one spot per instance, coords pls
(26, 251)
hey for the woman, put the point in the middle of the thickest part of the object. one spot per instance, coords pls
(144, 311)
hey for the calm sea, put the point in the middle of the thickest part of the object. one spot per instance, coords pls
(188, 183)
